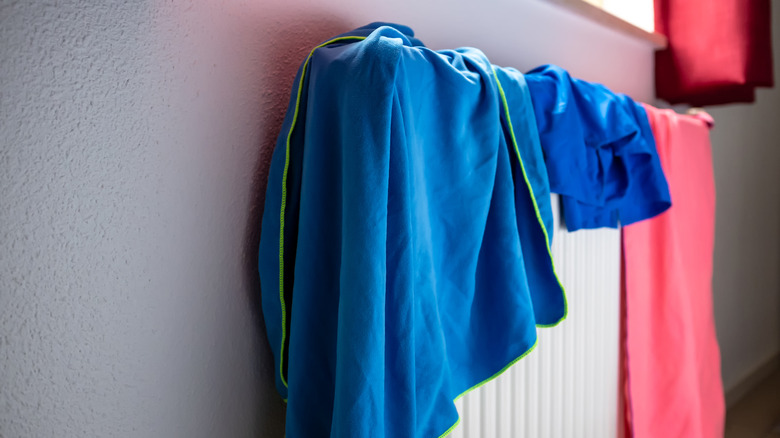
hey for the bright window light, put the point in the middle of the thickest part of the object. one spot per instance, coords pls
(637, 12)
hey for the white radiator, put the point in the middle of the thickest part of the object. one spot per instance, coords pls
(568, 386)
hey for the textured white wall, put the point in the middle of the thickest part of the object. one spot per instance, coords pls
(135, 142)
(746, 152)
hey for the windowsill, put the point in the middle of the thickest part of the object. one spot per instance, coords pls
(606, 19)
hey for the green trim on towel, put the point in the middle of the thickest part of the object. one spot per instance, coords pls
(488, 380)
(284, 198)
(533, 200)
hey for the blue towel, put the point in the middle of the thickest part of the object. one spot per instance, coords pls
(599, 151)
(404, 257)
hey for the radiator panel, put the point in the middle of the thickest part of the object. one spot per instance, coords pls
(568, 386)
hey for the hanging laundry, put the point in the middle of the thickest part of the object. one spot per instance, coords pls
(404, 257)
(673, 384)
(532, 197)
(719, 51)
(599, 151)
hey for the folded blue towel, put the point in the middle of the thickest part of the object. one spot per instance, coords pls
(404, 257)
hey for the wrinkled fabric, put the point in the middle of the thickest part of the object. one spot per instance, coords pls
(719, 51)
(599, 151)
(673, 384)
(518, 99)
(398, 233)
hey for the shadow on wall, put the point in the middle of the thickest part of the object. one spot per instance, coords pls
(227, 68)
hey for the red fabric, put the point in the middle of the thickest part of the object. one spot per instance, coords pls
(672, 359)
(719, 50)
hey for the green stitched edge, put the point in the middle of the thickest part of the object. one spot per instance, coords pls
(284, 199)
(454, 425)
(488, 380)
(533, 199)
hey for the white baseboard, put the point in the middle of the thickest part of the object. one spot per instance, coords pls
(761, 372)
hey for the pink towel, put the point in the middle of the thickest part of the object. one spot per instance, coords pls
(673, 382)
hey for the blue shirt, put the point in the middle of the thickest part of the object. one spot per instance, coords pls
(599, 151)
